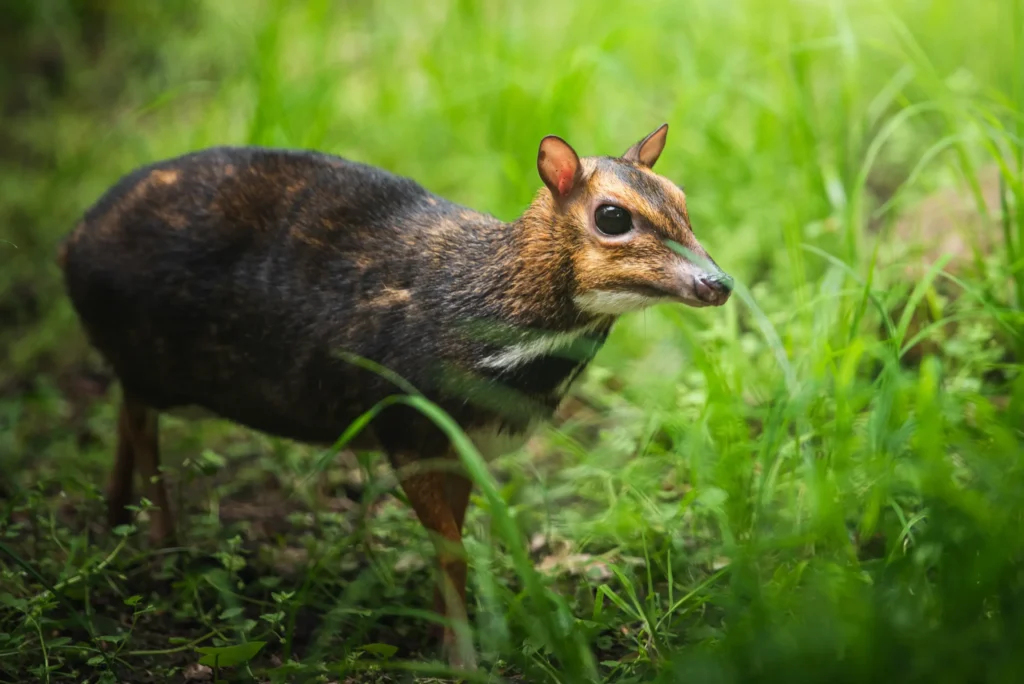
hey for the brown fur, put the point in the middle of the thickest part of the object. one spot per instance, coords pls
(228, 280)
(643, 261)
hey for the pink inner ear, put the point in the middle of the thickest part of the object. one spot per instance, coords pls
(564, 180)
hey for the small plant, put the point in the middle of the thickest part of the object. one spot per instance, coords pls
(822, 483)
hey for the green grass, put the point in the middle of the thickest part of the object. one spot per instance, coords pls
(818, 482)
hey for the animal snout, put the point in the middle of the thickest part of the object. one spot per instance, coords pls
(713, 288)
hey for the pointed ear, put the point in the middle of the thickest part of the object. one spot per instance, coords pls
(559, 166)
(647, 151)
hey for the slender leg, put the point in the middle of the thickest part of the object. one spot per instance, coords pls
(427, 492)
(459, 488)
(119, 489)
(457, 491)
(143, 424)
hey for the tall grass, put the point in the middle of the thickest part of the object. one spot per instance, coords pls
(775, 490)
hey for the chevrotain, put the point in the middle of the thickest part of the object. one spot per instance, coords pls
(253, 284)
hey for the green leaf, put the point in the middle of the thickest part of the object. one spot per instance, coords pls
(713, 497)
(95, 660)
(384, 651)
(112, 638)
(273, 618)
(123, 530)
(231, 562)
(213, 459)
(132, 600)
(229, 656)
(13, 602)
(232, 613)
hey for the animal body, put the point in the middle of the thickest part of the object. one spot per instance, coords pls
(242, 280)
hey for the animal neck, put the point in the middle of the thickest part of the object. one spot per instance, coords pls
(538, 272)
(525, 275)
(511, 286)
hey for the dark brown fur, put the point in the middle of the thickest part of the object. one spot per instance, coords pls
(230, 279)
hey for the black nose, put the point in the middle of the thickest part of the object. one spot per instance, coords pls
(713, 288)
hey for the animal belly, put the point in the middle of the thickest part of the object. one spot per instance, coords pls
(493, 442)
(192, 412)
(200, 379)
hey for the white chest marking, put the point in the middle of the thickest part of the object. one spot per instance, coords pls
(612, 303)
(523, 352)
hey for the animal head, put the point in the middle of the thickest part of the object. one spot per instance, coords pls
(627, 230)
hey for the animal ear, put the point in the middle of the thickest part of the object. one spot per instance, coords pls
(647, 151)
(559, 166)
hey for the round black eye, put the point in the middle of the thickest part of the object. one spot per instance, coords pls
(612, 220)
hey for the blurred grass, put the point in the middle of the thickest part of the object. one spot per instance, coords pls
(792, 487)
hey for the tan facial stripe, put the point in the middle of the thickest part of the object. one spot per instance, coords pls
(656, 199)
(610, 188)
(672, 190)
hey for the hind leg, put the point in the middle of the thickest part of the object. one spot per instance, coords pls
(457, 488)
(143, 427)
(441, 510)
(119, 489)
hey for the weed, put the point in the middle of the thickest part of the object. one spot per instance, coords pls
(817, 482)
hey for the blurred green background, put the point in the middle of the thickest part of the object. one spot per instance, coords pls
(818, 482)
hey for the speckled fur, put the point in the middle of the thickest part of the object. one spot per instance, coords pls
(234, 279)
(229, 278)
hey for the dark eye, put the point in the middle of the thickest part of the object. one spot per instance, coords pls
(612, 220)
